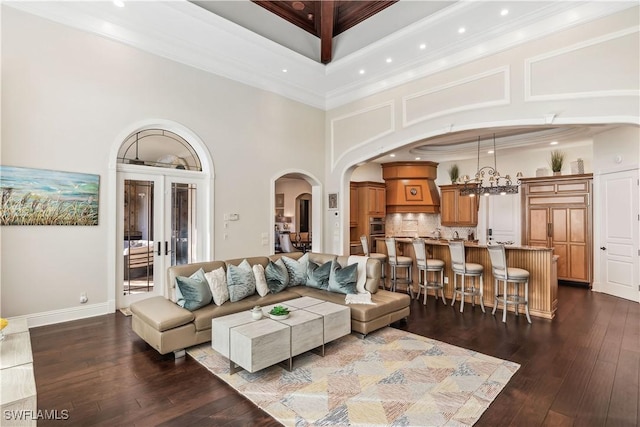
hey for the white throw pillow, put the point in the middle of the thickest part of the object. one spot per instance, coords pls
(261, 280)
(218, 283)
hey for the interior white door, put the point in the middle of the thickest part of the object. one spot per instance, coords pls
(619, 234)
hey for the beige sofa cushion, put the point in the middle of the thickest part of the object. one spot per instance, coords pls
(385, 302)
(161, 313)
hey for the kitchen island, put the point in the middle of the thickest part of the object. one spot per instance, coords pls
(539, 262)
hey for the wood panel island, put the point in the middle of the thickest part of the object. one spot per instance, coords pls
(540, 262)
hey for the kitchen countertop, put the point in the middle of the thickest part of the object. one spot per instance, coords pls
(467, 243)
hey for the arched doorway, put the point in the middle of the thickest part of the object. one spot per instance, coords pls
(297, 204)
(162, 193)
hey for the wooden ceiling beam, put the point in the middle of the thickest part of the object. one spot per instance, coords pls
(327, 9)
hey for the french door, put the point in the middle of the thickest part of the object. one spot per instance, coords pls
(158, 223)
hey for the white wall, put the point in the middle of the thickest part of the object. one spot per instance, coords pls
(506, 89)
(66, 97)
(368, 172)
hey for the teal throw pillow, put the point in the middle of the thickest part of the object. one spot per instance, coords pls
(277, 276)
(343, 280)
(297, 269)
(193, 292)
(241, 281)
(318, 275)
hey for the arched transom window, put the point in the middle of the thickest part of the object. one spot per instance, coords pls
(159, 148)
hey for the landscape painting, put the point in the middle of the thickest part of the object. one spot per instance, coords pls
(46, 197)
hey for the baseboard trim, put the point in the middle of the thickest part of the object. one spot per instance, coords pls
(64, 315)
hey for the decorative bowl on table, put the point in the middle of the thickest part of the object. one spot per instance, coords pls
(279, 312)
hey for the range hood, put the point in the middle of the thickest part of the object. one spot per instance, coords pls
(411, 187)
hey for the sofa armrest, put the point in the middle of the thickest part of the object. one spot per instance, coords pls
(160, 313)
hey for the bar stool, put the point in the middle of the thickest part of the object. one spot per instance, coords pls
(398, 261)
(505, 274)
(374, 255)
(465, 269)
(425, 265)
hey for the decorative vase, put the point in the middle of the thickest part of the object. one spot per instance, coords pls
(558, 173)
(256, 313)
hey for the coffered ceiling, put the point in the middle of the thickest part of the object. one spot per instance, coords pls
(325, 19)
(299, 29)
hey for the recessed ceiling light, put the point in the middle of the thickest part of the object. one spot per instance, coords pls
(490, 152)
(461, 30)
(118, 3)
(553, 143)
(504, 12)
(284, 70)
(389, 60)
(392, 155)
(423, 46)
(361, 71)
(417, 158)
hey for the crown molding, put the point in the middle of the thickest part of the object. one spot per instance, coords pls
(183, 32)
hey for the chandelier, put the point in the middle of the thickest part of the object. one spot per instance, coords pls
(488, 180)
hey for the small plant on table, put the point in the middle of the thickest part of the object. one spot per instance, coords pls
(279, 310)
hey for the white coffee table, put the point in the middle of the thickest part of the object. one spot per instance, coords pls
(248, 343)
(256, 344)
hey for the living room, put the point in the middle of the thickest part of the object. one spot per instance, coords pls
(71, 97)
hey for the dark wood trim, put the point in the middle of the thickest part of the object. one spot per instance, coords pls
(326, 31)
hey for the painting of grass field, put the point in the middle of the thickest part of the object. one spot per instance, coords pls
(46, 197)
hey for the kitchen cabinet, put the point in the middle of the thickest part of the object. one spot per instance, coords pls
(557, 213)
(368, 200)
(377, 199)
(457, 210)
(353, 206)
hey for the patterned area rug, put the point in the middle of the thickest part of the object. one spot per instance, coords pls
(390, 378)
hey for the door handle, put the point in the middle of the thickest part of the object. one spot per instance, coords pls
(603, 248)
(166, 247)
(549, 230)
(159, 248)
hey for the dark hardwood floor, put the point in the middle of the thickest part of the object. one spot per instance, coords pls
(581, 369)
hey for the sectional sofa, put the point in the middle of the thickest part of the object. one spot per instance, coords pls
(168, 327)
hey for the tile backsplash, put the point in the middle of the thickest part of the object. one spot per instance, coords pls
(423, 225)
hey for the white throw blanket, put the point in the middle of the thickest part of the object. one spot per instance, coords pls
(363, 296)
